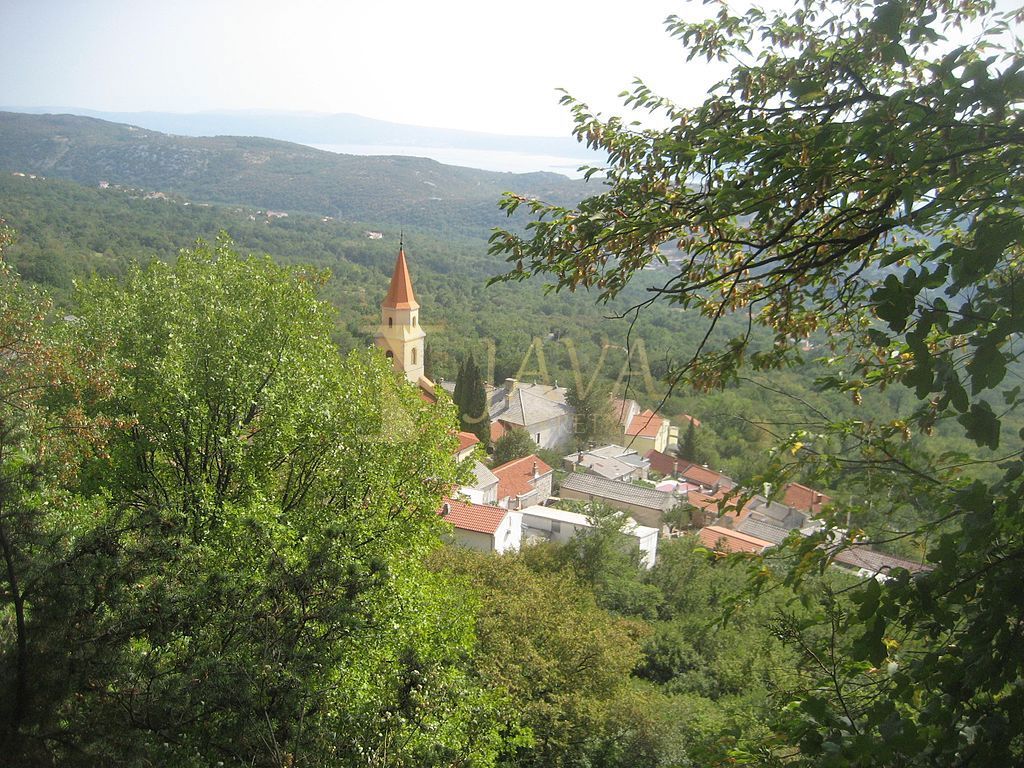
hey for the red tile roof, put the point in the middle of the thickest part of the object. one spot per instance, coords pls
(645, 424)
(467, 440)
(400, 294)
(723, 540)
(497, 430)
(664, 463)
(805, 499)
(481, 518)
(712, 502)
(515, 478)
(705, 476)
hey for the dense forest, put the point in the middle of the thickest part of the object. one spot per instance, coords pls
(66, 232)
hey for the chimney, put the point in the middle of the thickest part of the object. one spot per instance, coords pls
(536, 474)
(510, 388)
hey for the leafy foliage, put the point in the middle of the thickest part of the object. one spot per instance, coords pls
(594, 417)
(514, 444)
(237, 575)
(855, 174)
(471, 401)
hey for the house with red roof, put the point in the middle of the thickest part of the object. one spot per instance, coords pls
(647, 431)
(483, 527)
(804, 499)
(523, 482)
(467, 442)
(725, 541)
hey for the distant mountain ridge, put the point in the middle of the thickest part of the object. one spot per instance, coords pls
(268, 173)
(320, 128)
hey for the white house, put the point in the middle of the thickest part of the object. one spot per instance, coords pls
(483, 527)
(559, 525)
(538, 409)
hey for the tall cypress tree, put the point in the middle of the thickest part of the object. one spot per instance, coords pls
(471, 400)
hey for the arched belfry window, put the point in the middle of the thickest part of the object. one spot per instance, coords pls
(414, 355)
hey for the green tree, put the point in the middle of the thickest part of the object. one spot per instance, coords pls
(688, 448)
(608, 560)
(855, 173)
(249, 583)
(471, 401)
(561, 662)
(514, 444)
(594, 420)
(42, 568)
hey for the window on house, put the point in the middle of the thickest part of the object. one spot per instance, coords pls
(391, 322)
(414, 355)
(538, 438)
(389, 354)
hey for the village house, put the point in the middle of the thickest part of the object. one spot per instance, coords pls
(523, 482)
(647, 505)
(538, 409)
(559, 525)
(484, 487)
(805, 499)
(647, 431)
(467, 445)
(725, 541)
(482, 527)
(613, 462)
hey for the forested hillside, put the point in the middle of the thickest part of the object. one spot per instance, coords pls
(263, 173)
(65, 231)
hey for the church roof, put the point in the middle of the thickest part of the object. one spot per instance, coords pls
(400, 294)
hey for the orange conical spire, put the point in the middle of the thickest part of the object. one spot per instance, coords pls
(400, 294)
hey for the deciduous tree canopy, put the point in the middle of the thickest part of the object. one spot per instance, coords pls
(858, 173)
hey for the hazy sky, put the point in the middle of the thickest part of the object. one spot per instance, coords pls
(474, 64)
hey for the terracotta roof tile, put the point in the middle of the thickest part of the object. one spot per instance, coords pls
(400, 294)
(645, 424)
(706, 477)
(481, 518)
(724, 540)
(805, 499)
(515, 478)
(467, 440)
(664, 463)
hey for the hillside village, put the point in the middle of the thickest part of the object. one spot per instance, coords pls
(654, 494)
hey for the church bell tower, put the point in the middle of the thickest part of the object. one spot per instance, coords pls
(400, 335)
